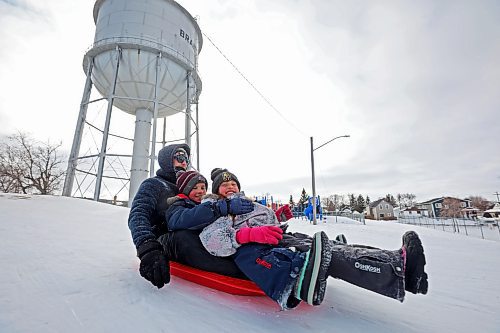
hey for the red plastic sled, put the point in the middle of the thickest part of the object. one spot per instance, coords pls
(216, 281)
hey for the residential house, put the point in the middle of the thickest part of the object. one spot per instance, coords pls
(413, 212)
(432, 208)
(397, 211)
(380, 209)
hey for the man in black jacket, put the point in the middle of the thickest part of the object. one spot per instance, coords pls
(155, 246)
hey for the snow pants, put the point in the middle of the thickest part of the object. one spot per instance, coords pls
(374, 269)
(275, 270)
(378, 270)
(185, 247)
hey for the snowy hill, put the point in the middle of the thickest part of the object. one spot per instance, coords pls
(68, 265)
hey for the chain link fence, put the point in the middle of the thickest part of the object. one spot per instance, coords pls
(468, 227)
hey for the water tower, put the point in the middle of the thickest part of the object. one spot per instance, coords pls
(144, 62)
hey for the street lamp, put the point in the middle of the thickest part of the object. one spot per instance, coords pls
(312, 168)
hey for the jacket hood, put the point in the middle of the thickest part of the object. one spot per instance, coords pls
(166, 158)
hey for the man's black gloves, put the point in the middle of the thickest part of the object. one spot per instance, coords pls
(234, 206)
(154, 263)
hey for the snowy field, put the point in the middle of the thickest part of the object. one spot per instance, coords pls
(68, 265)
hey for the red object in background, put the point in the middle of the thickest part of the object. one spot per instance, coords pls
(284, 213)
(216, 281)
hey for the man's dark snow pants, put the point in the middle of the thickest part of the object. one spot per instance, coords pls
(185, 247)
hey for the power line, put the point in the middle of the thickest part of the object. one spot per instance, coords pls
(253, 86)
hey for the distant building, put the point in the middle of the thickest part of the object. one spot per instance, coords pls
(380, 209)
(432, 208)
(413, 212)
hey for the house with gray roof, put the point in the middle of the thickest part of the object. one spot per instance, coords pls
(381, 209)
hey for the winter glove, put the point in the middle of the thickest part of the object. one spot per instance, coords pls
(284, 213)
(233, 206)
(154, 265)
(264, 234)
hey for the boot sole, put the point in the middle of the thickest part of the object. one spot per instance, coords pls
(421, 285)
(320, 266)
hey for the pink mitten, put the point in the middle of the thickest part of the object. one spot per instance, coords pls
(264, 235)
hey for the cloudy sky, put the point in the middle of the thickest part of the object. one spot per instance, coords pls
(415, 85)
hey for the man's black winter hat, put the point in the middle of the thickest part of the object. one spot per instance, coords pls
(219, 176)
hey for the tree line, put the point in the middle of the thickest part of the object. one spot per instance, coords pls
(354, 202)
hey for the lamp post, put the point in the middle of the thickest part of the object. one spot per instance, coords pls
(312, 168)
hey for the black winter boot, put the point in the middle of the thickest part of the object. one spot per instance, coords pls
(311, 285)
(340, 238)
(415, 277)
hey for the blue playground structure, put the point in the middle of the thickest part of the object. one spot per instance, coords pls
(308, 212)
(261, 200)
(267, 201)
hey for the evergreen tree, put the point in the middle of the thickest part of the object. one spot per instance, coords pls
(290, 202)
(360, 204)
(352, 202)
(367, 201)
(304, 197)
(390, 199)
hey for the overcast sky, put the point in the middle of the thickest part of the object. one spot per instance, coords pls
(415, 84)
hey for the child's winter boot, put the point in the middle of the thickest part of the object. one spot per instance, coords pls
(414, 258)
(311, 285)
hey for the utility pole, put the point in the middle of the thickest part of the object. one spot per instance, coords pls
(497, 194)
(313, 176)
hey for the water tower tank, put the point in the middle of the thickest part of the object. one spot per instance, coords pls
(143, 28)
(144, 62)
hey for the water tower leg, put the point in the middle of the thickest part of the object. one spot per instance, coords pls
(140, 155)
(164, 139)
(77, 138)
(104, 144)
(188, 113)
(155, 117)
(197, 139)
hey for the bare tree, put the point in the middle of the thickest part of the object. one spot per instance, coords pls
(327, 202)
(451, 208)
(334, 202)
(406, 200)
(27, 166)
(11, 168)
(479, 202)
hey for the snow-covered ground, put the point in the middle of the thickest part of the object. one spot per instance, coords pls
(68, 265)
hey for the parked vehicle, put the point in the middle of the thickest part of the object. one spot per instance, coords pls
(491, 216)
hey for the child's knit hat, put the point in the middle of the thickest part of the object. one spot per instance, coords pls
(187, 180)
(219, 176)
